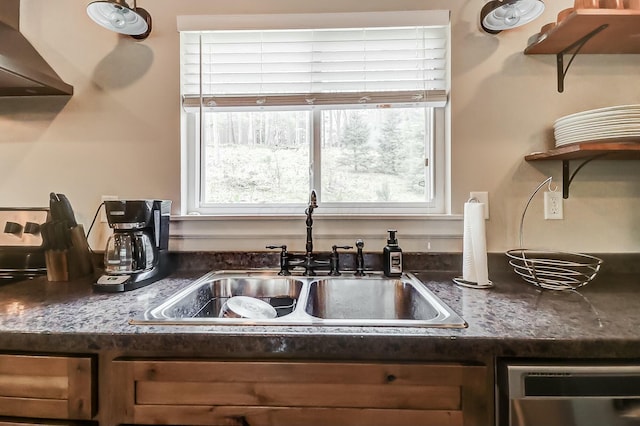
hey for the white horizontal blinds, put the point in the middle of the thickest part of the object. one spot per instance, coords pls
(315, 67)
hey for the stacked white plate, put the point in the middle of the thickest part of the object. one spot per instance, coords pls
(611, 124)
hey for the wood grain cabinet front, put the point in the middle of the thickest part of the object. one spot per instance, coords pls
(49, 387)
(199, 392)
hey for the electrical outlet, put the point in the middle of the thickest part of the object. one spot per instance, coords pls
(482, 197)
(103, 215)
(553, 205)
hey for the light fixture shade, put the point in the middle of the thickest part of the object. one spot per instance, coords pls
(499, 15)
(116, 15)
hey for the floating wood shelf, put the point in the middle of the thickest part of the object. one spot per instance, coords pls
(601, 31)
(621, 35)
(613, 151)
(587, 151)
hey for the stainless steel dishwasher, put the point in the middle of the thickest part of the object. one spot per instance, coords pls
(571, 394)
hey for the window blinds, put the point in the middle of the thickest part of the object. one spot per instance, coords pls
(386, 63)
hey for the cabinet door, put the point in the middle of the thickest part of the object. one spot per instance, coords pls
(40, 423)
(299, 393)
(53, 387)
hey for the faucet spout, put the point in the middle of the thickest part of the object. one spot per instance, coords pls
(313, 203)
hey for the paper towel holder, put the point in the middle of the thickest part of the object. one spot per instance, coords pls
(471, 284)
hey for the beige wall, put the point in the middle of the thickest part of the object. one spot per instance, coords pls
(119, 133)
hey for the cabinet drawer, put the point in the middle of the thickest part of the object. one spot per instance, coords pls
(294, 393)
(54, 387)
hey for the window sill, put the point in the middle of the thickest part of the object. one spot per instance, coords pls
(416, 232)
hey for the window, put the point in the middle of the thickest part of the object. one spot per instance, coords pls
(351, 105)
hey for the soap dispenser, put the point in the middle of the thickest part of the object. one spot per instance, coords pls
(392, 256)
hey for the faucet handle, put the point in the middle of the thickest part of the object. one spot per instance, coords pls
(284, 259)
(359, 258)
(334, 260)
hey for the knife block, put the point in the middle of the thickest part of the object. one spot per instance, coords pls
(74, 262)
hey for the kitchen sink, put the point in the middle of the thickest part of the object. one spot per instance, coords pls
(369, 299)
(346, 300)
(203, 301)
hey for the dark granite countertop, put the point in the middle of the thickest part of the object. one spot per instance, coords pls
(511, 319)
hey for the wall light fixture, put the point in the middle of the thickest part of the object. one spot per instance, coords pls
(116, 15)
(499, 15)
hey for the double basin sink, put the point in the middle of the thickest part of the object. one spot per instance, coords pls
(346, 300)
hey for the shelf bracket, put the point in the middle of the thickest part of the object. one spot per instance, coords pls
(567, 176)
(562, 71)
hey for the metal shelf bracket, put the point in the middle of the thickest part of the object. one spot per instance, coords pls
(561, 70)
(567, 176)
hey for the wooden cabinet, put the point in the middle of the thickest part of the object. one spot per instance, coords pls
(21, 422)
(52, 387)
(204, 392)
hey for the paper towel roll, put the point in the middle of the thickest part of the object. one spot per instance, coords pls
(474, 246)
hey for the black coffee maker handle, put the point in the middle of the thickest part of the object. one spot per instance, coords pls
(138, 254)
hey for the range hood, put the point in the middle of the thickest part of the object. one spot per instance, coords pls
(23, 72)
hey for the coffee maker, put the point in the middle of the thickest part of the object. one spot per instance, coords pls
(137, 253)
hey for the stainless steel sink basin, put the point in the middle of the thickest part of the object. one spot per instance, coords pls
(347, 300)
(202, 301)
(386, 299)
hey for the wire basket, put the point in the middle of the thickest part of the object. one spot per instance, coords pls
(552, 270)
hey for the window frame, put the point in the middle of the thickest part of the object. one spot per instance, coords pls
(191, 184)
(192, 173)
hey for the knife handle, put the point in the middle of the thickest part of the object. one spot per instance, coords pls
(66, 211)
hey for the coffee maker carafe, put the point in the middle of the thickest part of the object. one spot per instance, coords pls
(137, 252)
